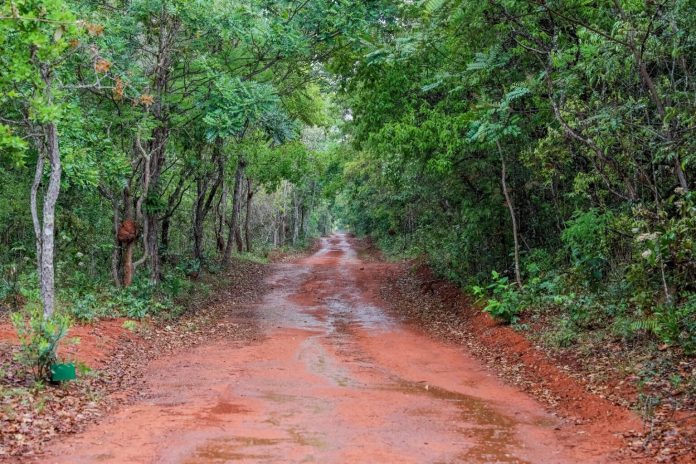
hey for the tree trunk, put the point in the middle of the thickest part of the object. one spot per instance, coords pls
(221, 213)
(156, 161)
(295, 219)
(511, 208)
(33, 201)
(164, 239)
(247, 219)
(222, 205)
(128, 264)
(117, 252)
(126, 248)
(283, 229)
(233, 232)
(47, 274)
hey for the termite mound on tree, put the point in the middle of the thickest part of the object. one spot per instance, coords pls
(128, 231)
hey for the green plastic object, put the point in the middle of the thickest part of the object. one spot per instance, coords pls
(62, 372)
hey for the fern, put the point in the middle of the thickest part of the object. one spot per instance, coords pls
(431, 6)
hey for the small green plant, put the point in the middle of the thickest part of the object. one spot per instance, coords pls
(674, 325)
(84, 309)
(39, 339)
(563, 335)
(505, 303)
(130, 325)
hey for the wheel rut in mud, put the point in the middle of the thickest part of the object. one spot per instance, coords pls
(336, 379)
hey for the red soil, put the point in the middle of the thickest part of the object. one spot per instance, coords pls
(337, 379)
(93, 343)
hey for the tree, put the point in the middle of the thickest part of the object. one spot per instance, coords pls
(36, 36)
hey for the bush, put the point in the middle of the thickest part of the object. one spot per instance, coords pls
(563, 335)
(84, 309)
(585, 237)
(39, 339)
(506, 301)
(674, 325)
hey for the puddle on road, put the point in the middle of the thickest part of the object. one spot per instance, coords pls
(228, 449)
(258, 449)
(492, 435)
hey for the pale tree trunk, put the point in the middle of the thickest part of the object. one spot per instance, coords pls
(283, 227)
(44, 228)
(511, 208)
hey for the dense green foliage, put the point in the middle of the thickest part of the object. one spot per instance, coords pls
(575, 119)
(547, 144)
(151, 139)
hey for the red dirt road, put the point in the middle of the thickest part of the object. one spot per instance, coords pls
(334, 380)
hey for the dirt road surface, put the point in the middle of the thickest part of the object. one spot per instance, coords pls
(334, 379)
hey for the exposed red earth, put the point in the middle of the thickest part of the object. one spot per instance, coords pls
(336, 379)
(93, 344)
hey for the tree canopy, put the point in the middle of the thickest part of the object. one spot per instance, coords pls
(547, 147)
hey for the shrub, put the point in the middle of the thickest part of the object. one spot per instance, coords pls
(39, 339)
(563, 335)
(585, 237)
(84, 309)
(674, 325)
(505, 303)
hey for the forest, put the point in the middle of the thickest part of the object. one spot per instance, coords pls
(539, 154)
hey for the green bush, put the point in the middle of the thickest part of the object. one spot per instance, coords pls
(674, 325)
(39, 339)
(505, 303)
(585, 237)
(563, 335)
(83, 309)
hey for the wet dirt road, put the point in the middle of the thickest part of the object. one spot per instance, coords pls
(335, 379)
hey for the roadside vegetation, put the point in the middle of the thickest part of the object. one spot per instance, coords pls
(145, 144)
(541, 155)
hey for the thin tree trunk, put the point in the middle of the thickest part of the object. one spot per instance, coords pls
(116, 254)
(221, 213)
(48, 226)
(139, 216)
(295, 219)
(282, 230)
(233, 232)
(33, 202)
(128, 246)
(247, 219)
(222, 204)
(508, 200)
